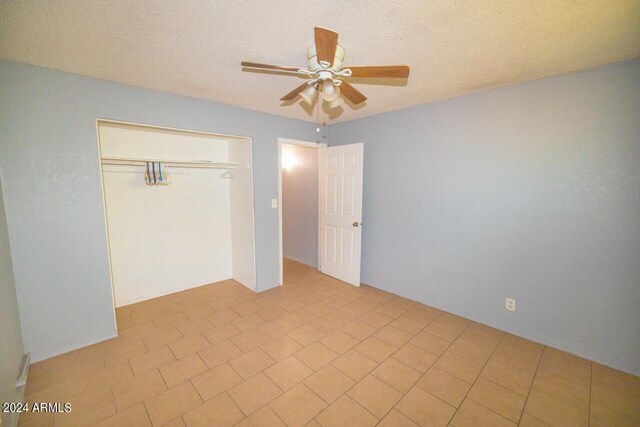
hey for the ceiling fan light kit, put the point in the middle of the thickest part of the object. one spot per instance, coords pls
(330, 90)
(338, 102)
(325, 72)
(310, 94)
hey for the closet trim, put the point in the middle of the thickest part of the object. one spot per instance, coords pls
(101, 121)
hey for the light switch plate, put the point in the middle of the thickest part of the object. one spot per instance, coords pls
(510, 304)
(274, 203)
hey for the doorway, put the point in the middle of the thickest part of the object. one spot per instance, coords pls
(320, 207)
(298, 201)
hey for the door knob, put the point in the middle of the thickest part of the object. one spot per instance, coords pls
(356, 224)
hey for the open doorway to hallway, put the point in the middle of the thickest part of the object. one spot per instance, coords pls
(298, 200)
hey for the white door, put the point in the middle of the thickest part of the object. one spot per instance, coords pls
(340, 206)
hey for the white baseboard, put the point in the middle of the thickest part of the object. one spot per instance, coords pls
(44, 355)
(152, 295)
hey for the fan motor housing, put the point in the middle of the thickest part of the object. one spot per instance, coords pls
(313, 58)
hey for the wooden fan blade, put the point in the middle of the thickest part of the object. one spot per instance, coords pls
(326, 42)
(269, 67)
(294, 92)
(392, 71)
(351, 93)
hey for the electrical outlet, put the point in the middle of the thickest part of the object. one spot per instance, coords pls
(274, 203)
(510, 304)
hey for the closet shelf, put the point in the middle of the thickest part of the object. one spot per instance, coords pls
(177, 163)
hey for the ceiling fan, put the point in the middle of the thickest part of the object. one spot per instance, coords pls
(326, 74)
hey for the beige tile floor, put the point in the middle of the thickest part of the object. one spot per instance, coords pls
(319, 352)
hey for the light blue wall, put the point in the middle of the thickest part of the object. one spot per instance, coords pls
(49, 156)
(11, 349)
(530, 191)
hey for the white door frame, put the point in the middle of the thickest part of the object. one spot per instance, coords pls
(289, 141)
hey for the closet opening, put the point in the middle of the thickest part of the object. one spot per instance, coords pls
(179, 209)
(298, 201)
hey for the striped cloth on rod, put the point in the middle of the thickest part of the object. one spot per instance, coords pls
(156, 174)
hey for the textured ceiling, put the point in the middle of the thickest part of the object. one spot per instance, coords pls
(195, 47)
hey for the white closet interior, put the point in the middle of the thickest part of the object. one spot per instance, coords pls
(198, 229)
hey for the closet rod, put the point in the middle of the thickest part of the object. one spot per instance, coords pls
(182, 163)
